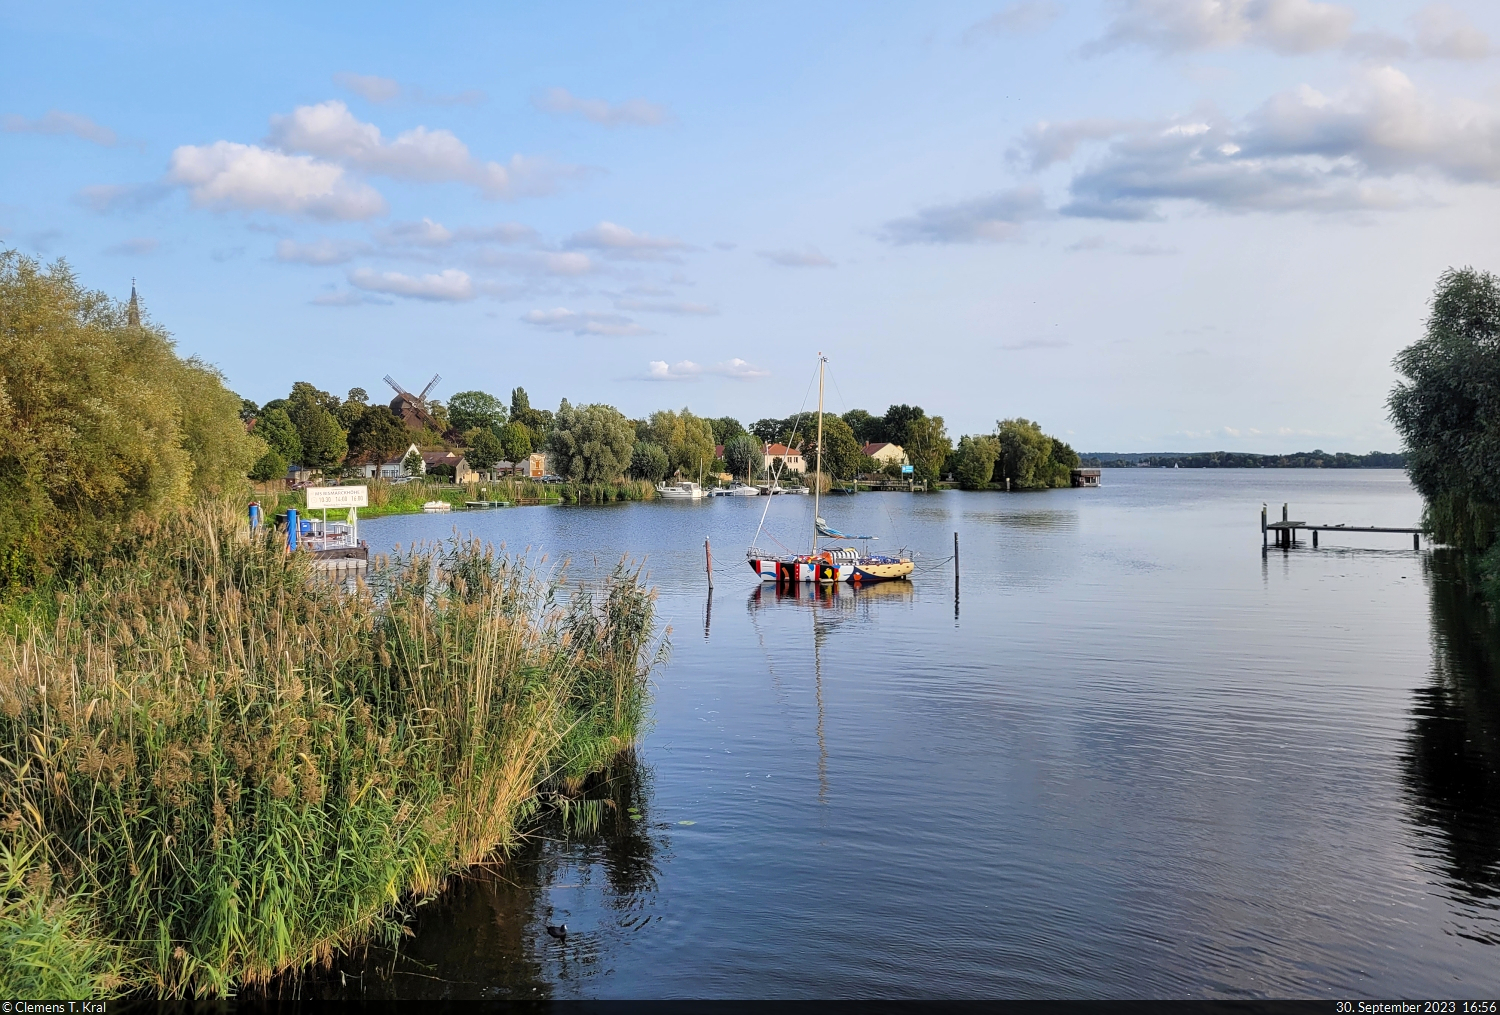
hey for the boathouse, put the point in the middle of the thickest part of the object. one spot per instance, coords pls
(1085, 477)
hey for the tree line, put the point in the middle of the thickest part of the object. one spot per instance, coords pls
(1317, 459)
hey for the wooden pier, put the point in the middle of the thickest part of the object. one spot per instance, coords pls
(1286, 530)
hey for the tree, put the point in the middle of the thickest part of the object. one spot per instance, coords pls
(484, 448)
(101, 421)
(926, 445)
(974, 463)
(866, 427)
(743, 456)
(687, 439)
(276, 429)
(270, 466)
(1447, 409)
(648, 461)
(843, 455)
(353, 408)
(412, 463)
(725, 429)
(592, 443)
(1025, 454)
(324, 443)
(515, 442)
(893, 425)
(376, 435)
(470, 409)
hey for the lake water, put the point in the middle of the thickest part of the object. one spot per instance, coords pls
(1134, 757)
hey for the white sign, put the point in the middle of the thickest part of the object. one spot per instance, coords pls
(338, 496)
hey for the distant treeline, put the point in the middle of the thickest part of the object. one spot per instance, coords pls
(1240, 460)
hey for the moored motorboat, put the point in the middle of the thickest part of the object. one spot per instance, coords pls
(685, 490)
(736, 490)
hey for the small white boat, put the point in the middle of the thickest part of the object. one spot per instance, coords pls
(434, 506)
(679, 491)
(736, 490)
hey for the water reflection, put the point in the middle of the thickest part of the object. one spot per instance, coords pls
(591, 863)
(1452, 757)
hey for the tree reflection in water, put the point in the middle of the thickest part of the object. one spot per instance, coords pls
(1452, 760)
(593, 867)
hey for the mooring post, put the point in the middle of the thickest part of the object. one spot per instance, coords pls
(955, 556)
(708, 561)
(1315, 538)
(1262, 525)
(1416, 541)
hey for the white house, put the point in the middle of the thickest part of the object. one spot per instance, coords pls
(791, 458)
(886, 454)
(393, 468)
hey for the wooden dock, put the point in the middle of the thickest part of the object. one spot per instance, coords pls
(1286, 530)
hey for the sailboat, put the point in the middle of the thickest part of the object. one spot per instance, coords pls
(836, 563)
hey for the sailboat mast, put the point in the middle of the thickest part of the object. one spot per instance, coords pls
(818, 466)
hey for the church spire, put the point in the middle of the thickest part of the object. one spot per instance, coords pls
(134, 313)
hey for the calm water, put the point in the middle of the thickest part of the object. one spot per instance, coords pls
(1134, 758)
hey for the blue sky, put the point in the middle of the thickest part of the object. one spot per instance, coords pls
(1148, 224)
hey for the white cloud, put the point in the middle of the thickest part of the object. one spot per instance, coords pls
(687, 370)
(328, 130)
(1044, 143)
(1367, 147)
(648, 307)
(586, 322)
(1444, 33)
(618, 242)
(428, 233)
(808, 257)
(111, 197)
(323, 251)
(346, 299)
(634, 111)
(449, 286)
(1172, 26)
(230, 175)
(995, 217)
(1025, 16)
(369, 87)
(569, 263)
(139, 246)
(55, 121)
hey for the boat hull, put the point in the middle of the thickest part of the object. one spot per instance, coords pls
(814, 569)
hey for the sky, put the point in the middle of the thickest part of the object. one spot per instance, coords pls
(1146, 224)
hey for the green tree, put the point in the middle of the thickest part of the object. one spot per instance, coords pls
(843, 454)
(484, 449)
(926, 445)
(470, 409)
(865, 426)
(687, 439)
(515, 442)
(412, 463)
(1025, 454)
(100, 420)
(893, 425)
(324, 443)
(270, 466)
(276, 429)
(648, 461)
(592, 443)
(974, 462)
(353, 408)
(376, 435)
(1447, 409)
(725, 429)
(743, 455)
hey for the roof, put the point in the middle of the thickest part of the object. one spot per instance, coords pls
(442, 457)
(782, 451)
(872, 449)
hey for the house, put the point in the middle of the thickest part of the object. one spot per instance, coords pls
(534, 467)
(886, 454)
(1085, 477)
(442, 460)
(791, 458)
(391, 468)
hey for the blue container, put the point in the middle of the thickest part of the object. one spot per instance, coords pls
(254, 516)
(292, 528)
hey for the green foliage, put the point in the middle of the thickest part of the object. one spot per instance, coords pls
(926, 444)
(687, 439)
(743, 455)
(843, 454)
(100, 420)
(649, 461)
(270, 466)
(1317, 459)
(725, 429)
(1030, 459)
(412, 463)
(1447, 409)
(895, 424)
(276, 429)
(470, 409)
(538, 422)
(515, 442)
(250, 768)
(790, 431)
(324, 443)
(865, 426)
(484, 448)
(592, 443)
(376, 435)
(974, 463)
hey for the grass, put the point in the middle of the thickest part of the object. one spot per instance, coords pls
(407, 498)
(216, 767)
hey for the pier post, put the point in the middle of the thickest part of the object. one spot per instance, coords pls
(1416, 541)
(955, 556)
(1263, 526)
(1315, 538)
(708, 561)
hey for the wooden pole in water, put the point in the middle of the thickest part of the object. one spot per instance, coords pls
(1263, 526)
(955, 556)
(708, 561)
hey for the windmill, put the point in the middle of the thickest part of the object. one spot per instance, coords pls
(413, 408)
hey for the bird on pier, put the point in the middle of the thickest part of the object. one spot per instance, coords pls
(560, 932)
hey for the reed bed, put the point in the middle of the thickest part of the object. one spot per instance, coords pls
(216, 766)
